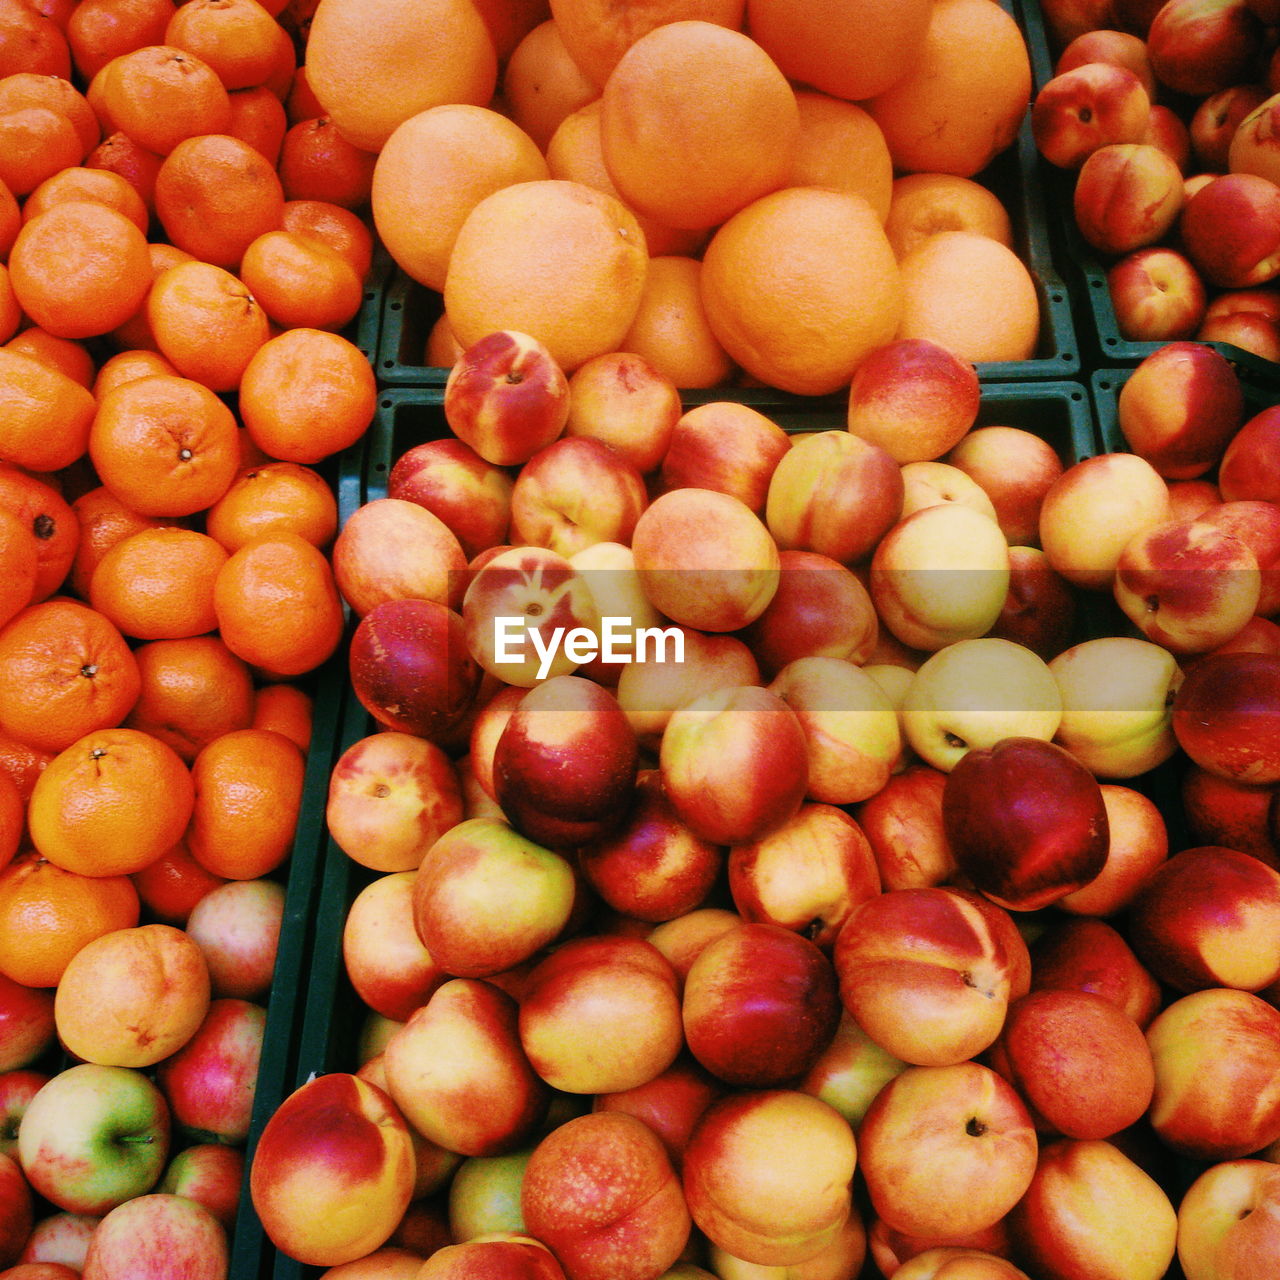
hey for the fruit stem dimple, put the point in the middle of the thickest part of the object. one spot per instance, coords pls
(974, 1127)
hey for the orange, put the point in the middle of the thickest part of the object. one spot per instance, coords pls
(104, 520)
(922, 204)
(509, 21)
(301, 102)
(300, 282)
(10, 219)
(47, 914)
(851, 49)
(161, 95)
(441, 348)
(278, 606)
(841, 147)
(670, 329)
(339, 229)
(99, 30)
(541, 83)
(164, 445)
(258, 118)
(127, 365)
(13, 819)
(598, 32)
(237, 38)
(287, 709)
(52, 521)
(318, 163)
(557, 260)
(133, 162)
(697, 121)
(272, 498)
(248, 792)
(81, 183)
(972, 295)
(193, 690)
(157, 584)
(374, 63)
(30, 41)
(962, 100)
(307, 394)
(26, 89)
(64, 354)
(215, 195)
(66, 671)
(35, 142)
(22, 764)
(10, 311)
(576, 152)
(207, 322)
(80, 268)
(110, 803)
(434, 169)
(20, 556)
(136, 332)
(800, 286)
(171, 886)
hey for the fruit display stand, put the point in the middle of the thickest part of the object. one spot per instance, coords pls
(1097, 326)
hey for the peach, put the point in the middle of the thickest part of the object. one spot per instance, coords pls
(930, 482)
(1167, 132)
(1223, 811)
(1127, 196)
(1137, 846)
(333, 1171)
(1230, 229)
(516, 1256)
(903, 823)
(620, 399)
(1086, 107)
(1253, 146)
(1040, 610)
(1251, 331)
(1257, 524)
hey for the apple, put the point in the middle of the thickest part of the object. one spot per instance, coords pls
(1199, 47)
(851, 727)
(973, 693)
(448, 477)
(600, 1191)
(1157, 295)
(1040, 610)
(913, 398)
(1224, 716)
(1210, 1104)
(17, 1088)
(620, 398)
(411, 668)
(1250, 464)
(931, 482)
(575, 491)
(1207, 918)
(834, 493)
(1137, 845)
(391, 795)
(487, 898)
(705, 559)
(513, 607)
(1093, 509)
(760, 1002)
(653, 867)
(237, 928)
(806, 875)
(1117, 697)
(1102, 44)
(1215, 120)
(211, 1173)
(821, 607)
(1228, 229)
(903, 824)
(946, 1150)
(1127, 195)
(394, 549)
(93, 1137)
(1026, 822)
(458, 1073)
(734, 763)
(940, 575)
(1227, 1220)
(506, 397)
(26, 1023)
(1224, 812)
(62, 1239)
(1078, 1061)
(158, 1234)
(925, 973)
(18, 1206)
(726, 446)
(1016, 468)
(508, 1254)
(1066, 1224)
(1179, 408)
(768, 1175)
(1085, 107)
(1188, 585)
